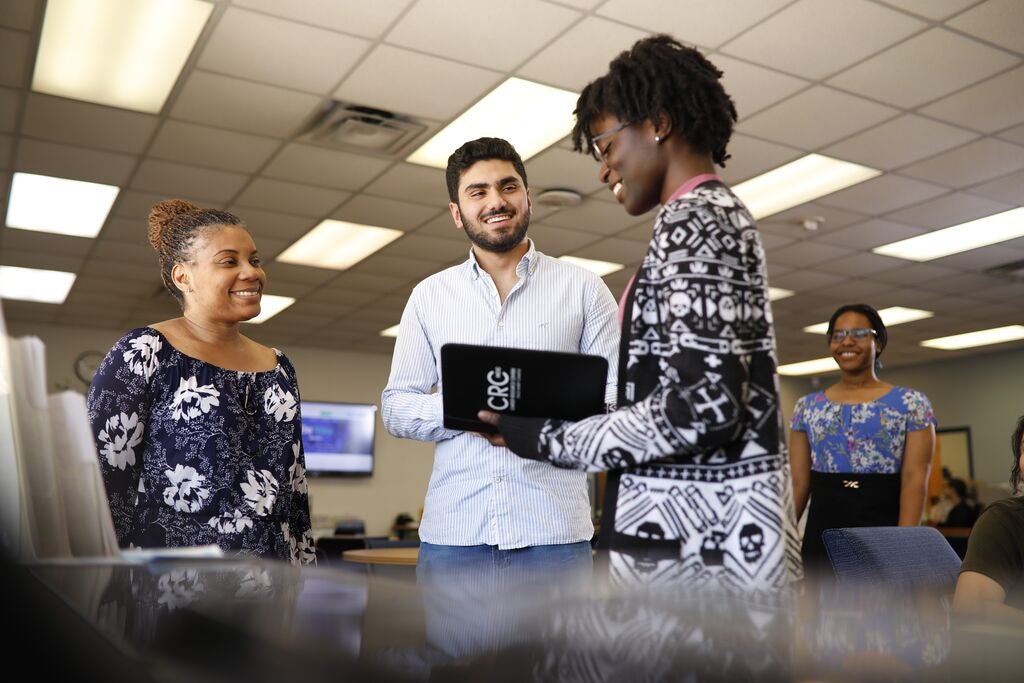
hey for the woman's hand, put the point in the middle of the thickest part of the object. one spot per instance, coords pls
(491, 419)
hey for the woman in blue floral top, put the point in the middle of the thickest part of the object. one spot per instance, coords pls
(198, 427)
(860, 449)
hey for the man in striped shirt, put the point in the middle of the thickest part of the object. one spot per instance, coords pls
(485, 507)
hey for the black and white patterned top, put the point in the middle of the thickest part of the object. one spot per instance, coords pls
(699, 465)
(194, 454)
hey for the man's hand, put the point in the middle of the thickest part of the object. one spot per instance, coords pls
(491, 419)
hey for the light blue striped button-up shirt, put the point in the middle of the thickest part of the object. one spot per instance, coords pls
(479, 493)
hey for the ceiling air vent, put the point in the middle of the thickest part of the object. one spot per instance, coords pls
(361, 129)
(1013, 271)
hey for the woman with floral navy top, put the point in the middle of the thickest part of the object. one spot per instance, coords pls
(861, 448)
(197, 426)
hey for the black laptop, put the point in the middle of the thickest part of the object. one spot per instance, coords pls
(568, 386)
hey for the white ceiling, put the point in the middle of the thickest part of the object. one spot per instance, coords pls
(930, 91)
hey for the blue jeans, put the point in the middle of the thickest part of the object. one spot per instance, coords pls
(490, 566)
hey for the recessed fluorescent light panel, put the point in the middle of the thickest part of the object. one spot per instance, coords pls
(798, 182)
(996, 335)
(778, 293)
(809, 367)
(66, 207)
(894, 315)
(271, 305)
(121, 53)
(391, 331)
(338, 244)
(529, 115)
(602, 268)
(953, 240)
(33, 284)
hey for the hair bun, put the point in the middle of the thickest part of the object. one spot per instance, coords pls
(162, 213)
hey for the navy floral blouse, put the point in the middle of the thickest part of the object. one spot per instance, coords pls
(194, 454)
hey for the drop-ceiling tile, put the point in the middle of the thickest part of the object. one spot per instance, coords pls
(613, 250)
(926, 67)
(804, 280)
(99, 318)
(191, 143)
(439, 27)
(280, 52)
(833, 34)
(771, 241)
(899, 142)
(10, 100)
(19, 14)
(970, 164)
(135, 206)
(6, 150)
(851, 291)
(111, 284)
(277, 195)
(932, 9)
(79, 300)
(380, 317)
(903, 296)
(410, 182)
(751, 157)
(642, 232)
(692, 23)
(983, 258)
(296, 290)
(282, 226)
(815, 117)
(126, 229)
(80, 123)
(369, 282)
(1015, 134)
(966, 284)
(950, 209)
(302, 275)
(581, 54)
(325, 167)
(172, 180)
(1011, 292)
(147, 271)
(990, 106)
(382, 346)
(858, 265)
(432, 249)
(367, 19)
(558, 241)
(132, 252)
(396, 266)
(386, 213)
(1008, 189)
(39, 259)
(338, 299)
(76, 163)
(753, 87)
(241, 105)
(807, 253)
(418, 84)
(15, 53)
(442, 225)
(996, 21)
(917, 274)
(869, 234)
(883, 194)
(31, 240)
(562, 169)
(792, 222)
(596, 217)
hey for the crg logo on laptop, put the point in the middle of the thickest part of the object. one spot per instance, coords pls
(498, 389)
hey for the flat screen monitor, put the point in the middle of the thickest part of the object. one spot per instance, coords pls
(338, 438)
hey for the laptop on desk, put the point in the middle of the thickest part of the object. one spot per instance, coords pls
(527, 383)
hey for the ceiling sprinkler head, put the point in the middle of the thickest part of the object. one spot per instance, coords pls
(813, 223)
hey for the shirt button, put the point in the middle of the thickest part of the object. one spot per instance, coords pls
(499, 479)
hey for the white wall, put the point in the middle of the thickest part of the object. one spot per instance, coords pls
(402, 467)
(981, 392)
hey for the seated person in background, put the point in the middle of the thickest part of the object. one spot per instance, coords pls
(962, 512)
(197, 426)
(991, 583)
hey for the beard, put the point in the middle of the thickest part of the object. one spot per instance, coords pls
(479, 236)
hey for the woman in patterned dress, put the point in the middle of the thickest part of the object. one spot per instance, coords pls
(197, 426)
(698, 471)
(860, 449)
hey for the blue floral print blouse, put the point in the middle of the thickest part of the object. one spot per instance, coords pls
(862, 438)
(194, 454)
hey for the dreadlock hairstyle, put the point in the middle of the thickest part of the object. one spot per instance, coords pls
(659, 75)
(173, 226)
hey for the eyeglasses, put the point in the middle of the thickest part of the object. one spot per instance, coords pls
(597, 152)
(858, 333)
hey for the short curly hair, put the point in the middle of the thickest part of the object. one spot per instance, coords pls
(173, 226)
(659, 75)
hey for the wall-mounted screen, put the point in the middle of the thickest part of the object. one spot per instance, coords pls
(338, 438)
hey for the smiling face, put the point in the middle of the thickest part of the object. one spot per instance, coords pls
(631, 165)
(494, 205)
(223, 280)
(854, 355)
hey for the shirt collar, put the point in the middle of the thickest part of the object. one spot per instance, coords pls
(692, 183)
(527, 264)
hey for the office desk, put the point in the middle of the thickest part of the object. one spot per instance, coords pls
(402, 556)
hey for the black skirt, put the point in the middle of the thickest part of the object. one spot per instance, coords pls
(847, 500)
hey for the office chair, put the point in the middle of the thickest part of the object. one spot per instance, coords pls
(892, 556)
